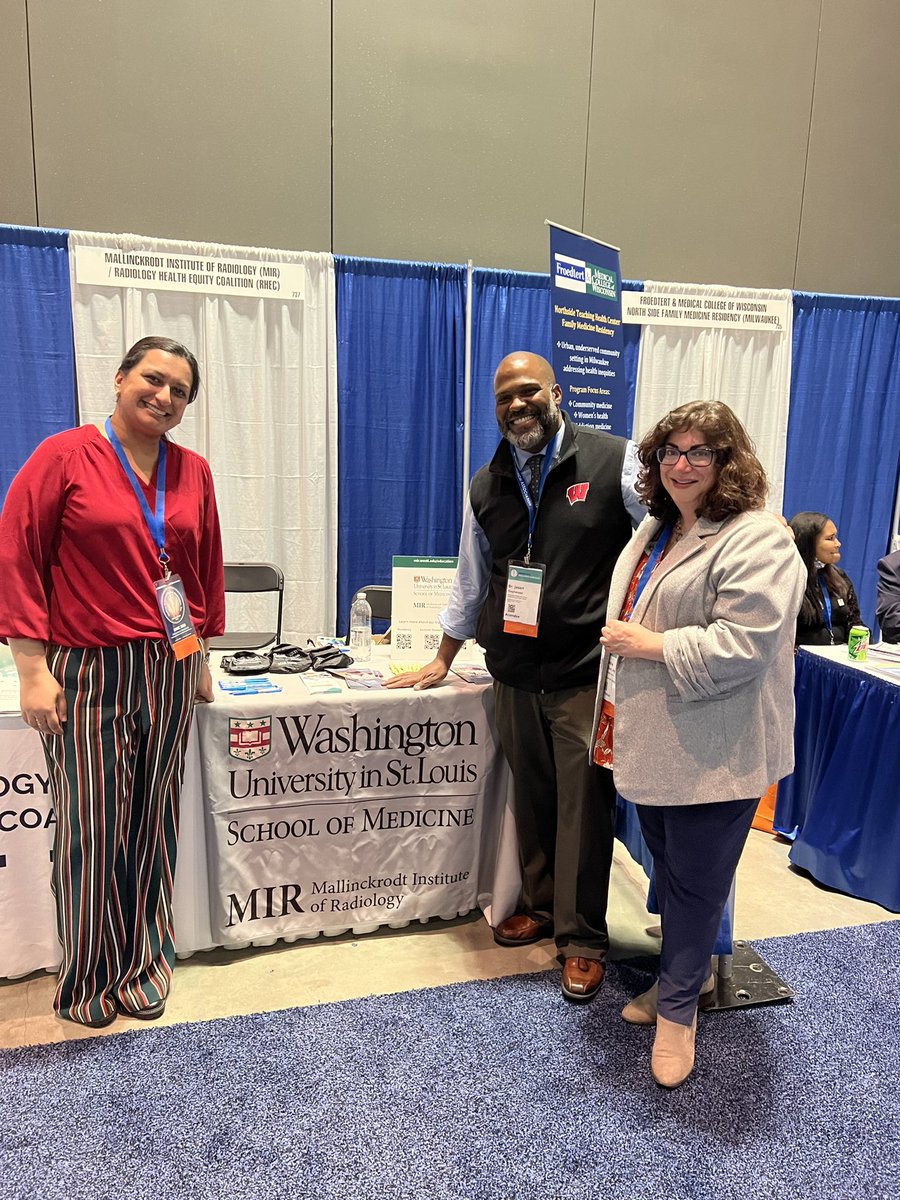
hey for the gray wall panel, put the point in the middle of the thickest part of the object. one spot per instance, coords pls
(206, 120)
(458, 127)
(850, 235)
(703, 136)
(17, 197)
(699, 119)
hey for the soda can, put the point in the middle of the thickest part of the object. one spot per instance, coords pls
(858, 643)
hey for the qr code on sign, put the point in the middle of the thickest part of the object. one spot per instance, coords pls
(403, 639)
(432, 641)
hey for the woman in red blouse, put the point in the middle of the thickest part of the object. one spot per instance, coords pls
(111, 558)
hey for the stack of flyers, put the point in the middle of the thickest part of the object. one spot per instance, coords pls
(248, 685)
(319, 683)
(472, 672)
(886, 652)
(885, 659)
(361, 677)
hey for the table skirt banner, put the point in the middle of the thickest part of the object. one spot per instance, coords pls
(27, 828)
(840, 806)
(350, 811)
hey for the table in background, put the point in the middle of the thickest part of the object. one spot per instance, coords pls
(206, 877)
(841, 806)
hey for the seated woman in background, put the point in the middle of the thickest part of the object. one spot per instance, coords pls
(830, 608)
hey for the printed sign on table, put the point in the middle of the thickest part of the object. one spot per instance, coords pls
(420, 589)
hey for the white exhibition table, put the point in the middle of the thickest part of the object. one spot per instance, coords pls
(301, 815)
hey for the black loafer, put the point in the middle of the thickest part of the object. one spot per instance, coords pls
(150, 1013)
(99, 1023)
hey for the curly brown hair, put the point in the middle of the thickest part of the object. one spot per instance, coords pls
(740, 482)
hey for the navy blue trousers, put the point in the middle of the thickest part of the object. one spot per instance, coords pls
(696, 849)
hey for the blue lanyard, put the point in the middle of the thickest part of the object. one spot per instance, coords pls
(526, 495)
(826, 604)
(649, 566)
(155, 520)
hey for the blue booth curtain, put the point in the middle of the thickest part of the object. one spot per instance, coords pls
(401, 359)
(844, 425)
(511, 311)
(36, 348)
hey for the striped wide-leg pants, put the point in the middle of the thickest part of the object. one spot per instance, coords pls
(115, 778)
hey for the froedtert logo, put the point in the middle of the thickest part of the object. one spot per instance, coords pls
(576, 275)
(569, 273)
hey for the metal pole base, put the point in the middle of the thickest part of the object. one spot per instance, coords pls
(745, 981)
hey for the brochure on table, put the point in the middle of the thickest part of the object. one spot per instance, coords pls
(420, 589)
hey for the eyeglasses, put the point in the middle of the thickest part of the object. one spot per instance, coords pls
(697, 456)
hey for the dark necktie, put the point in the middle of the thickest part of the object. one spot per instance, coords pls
(534, 484)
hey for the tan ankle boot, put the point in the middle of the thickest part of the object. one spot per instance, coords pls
(672, 1059)
(642, 1009)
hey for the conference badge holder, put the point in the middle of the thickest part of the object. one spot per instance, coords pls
(524, 596)
(176, 615)
(170, 597)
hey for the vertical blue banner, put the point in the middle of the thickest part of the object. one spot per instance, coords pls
(586, 329)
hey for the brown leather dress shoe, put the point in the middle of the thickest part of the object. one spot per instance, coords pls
(521, 930)
(581, 978)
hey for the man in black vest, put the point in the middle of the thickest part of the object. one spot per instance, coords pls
(544, 524)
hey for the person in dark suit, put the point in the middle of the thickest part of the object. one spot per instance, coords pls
(887, 597)
(830, 608)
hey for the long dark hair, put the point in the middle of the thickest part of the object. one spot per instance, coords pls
(807, 527)
(741, 481)
(168, 346)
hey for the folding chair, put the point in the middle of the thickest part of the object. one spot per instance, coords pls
(251, 578)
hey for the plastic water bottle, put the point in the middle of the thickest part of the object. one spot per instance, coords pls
(361, 627)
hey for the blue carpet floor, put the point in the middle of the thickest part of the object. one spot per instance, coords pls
(480, 1090)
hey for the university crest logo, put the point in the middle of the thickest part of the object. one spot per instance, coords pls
(249, 738)
(578, 491)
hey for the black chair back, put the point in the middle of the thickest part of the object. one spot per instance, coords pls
(250, 577)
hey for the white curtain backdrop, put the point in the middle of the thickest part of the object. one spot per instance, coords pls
(749, 370)
(265, 417)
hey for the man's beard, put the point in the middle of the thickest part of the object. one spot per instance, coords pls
(547, 418)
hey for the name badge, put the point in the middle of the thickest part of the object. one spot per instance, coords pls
(609, 684)
(176, 615)
(524, 593)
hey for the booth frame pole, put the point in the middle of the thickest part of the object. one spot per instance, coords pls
(467, 391)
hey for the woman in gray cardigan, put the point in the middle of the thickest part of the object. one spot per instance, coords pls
(695, 705)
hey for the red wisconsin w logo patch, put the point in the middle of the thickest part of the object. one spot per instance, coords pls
(578, 491)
